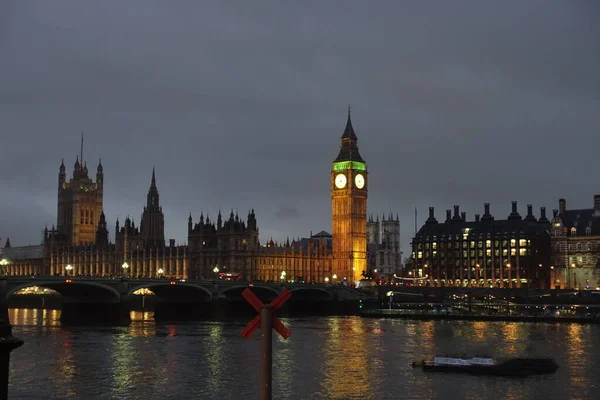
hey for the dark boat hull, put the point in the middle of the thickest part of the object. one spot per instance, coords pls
(514, 367)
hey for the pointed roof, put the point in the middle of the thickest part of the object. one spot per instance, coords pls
(153, 178)
(349, 130)
(349, 147)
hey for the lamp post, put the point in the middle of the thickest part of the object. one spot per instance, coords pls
(216, 271)
(160, 272)
(334, 277)
(69, 268)
(282, 277)
(125, 266)
(326, 280)
(3, 264)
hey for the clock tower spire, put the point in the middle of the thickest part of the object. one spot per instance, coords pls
(349, 208)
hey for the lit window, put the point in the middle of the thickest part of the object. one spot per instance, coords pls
(522, 242)
(513, 242)
(434, 245)
(505, 252)
(420, 254)
(513, 251)
(488, 252)
(522, 252)
(488, 243)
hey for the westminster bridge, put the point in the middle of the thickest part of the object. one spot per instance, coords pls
(108, 300)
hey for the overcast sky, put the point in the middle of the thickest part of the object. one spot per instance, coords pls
(242, 104)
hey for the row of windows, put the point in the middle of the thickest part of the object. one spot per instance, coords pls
(577, 246)
(472, 244)
(472, 253)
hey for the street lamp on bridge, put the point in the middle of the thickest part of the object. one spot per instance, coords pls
(125, 266)
(160, 272)
(69, 268)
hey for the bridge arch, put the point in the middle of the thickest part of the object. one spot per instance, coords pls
(305, 291)
(166, 289)
(75, 288)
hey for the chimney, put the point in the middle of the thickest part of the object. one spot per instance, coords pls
(555, 213)
(530, 216)
(514, 213)
(562, 206)
(431, 219)
(172, 242)
(463, 216)
(597, 205)
(543, 218)
(448, 215)
(486, 215)
(456, 212)
(476, 217)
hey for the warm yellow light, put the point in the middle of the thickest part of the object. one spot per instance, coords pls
(326, 279)
(216, 269)
(69, 267)
(4, 262)
(334, 276)
(125, 265)
(160, 271)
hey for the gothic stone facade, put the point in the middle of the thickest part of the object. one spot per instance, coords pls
(576, 247)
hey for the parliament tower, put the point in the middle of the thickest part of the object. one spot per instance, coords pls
(349, 208)
(79, 203)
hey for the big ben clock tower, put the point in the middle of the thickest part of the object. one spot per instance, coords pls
(349, 208)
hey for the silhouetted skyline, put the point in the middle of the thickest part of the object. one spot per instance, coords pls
(242, 106)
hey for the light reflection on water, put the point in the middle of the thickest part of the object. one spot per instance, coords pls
(325, 358)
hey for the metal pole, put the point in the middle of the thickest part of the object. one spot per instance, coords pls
(266, 349)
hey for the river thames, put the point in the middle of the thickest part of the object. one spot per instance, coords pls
(325, 358)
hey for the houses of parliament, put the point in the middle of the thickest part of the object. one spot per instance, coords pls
(229, 245)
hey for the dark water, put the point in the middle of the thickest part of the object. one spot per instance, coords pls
(325, 358)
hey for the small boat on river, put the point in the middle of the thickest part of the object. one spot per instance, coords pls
(488, 366)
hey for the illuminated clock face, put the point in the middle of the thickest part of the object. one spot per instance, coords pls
(359, 180)
(340, 181)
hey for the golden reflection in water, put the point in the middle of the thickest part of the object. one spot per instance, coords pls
(425, 338)
(346, 373)
(510, 334)
(25, 316)
(142, 324)
(215, 357)
(123, 362)
(478, 331)
(282, 354)
(577, 358)
(66, 370)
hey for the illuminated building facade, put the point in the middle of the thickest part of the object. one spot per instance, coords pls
(349, 188)
(576, 247)
(79, 203)
(512, 253)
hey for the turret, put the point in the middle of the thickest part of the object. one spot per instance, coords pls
(102, 232)
(62, 174)
(100, 174)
